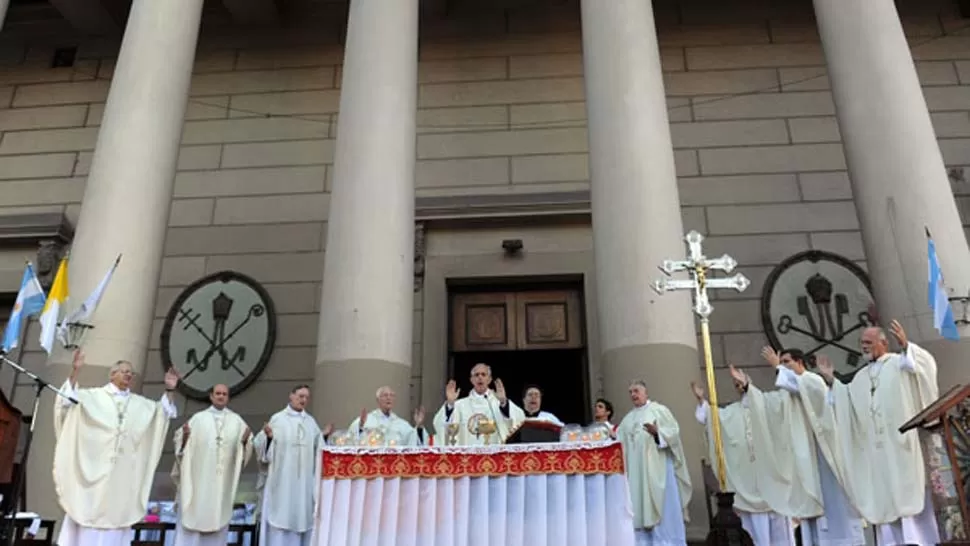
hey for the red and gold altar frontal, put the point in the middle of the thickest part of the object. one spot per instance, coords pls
(343, 463)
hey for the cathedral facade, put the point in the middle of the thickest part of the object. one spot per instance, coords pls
(367, 193)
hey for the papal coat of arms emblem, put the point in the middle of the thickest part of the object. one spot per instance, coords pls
(220, 330)
(818, 302)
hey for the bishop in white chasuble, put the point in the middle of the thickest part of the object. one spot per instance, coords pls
(857, 423)
(394, 429)
(210, 451)
(289, 452)
(656, 470)
(457, 419)
(108, 447)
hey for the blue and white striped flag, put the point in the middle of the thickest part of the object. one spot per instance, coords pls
(938, 300)
(30, 300)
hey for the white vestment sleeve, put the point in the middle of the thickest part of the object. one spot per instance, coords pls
(907, 360)
(171, 412)
(701, 412)
(69, 390)
(786, 379)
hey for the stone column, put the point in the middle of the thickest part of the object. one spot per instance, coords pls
(898, 178)
(367, 300)
(126, 206)
(636, 218)
(4, 6)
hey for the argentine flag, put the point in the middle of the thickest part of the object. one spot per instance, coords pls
(939, 303)
(30, 300)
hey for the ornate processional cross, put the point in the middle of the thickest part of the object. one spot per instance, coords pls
(697, 267)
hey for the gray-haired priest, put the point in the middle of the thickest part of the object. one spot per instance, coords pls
(396, 431)
(210, 451)
(656, 470)
(289, 451)
(108, 446)
(482, 417)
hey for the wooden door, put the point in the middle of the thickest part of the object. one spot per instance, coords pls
(549, 320)
(483, 322)
(509, 321)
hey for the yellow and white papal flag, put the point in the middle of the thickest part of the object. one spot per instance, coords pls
(56, 300)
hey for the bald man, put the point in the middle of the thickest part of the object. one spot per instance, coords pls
(210, 451)
(396, 431)
(858, 424)
(482, 404)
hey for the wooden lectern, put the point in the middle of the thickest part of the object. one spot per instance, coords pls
(945, 426)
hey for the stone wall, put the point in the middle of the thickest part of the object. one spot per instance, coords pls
(500, 112)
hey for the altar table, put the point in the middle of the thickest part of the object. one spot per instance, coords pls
(517, 495)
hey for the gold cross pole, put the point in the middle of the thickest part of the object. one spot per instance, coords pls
(697, 267)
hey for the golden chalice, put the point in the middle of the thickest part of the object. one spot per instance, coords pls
(480, 425)
(452, 433)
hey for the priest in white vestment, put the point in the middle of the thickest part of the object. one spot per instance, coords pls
(210, 451)
(882, 470)
(289, 452)
(656, 470)
(801, 483)
(748, 465)
(532, 404)
(388, 423)
(454, 419)
(108, 447)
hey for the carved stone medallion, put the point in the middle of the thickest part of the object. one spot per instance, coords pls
(221, 329)
(818, 302)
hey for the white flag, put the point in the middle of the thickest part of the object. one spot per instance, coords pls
(87, 308)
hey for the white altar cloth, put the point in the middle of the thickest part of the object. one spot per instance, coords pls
(523, 495)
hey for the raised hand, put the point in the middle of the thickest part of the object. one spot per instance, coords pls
(171, 378)
(697, 390)
(451, 392)
(327, 429)
(363, 419)
(418, 416)
(650, 428)
(500, 392)
(771, 356)
(896, 329)
(825, 367)
(738, 376)
(268, 430)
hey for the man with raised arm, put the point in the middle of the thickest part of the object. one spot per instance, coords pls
(210, 451)
(791, 474)
(749, 472)
(108, 447)
(482, 404)
(656, 470)
(393, 427)
(288, 449)
(881, 470)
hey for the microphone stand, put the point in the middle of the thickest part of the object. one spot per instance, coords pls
(8, 526)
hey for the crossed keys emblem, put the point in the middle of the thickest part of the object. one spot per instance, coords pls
(218, 337)
(826, 324)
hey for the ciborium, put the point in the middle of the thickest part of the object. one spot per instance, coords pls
(480, 425)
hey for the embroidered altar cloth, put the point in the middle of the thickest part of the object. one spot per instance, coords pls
(568, 494)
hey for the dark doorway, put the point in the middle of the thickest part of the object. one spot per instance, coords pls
(529, 333)
(560, 373)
